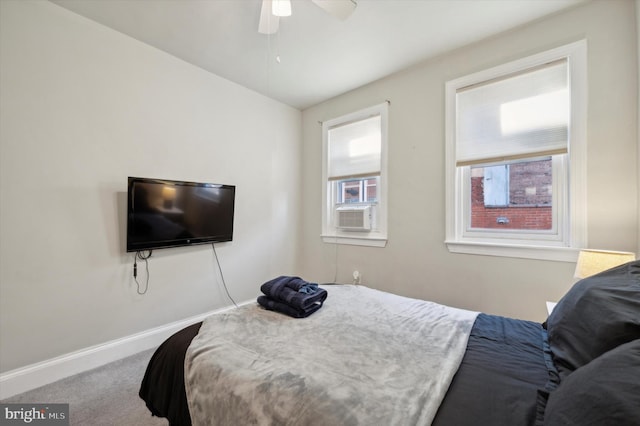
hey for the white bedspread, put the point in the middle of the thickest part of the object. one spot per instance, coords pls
(365, 358)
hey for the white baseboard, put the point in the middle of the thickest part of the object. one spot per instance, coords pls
(39, 374)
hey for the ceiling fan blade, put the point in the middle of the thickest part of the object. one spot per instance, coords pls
(341, 9)
(268, 21)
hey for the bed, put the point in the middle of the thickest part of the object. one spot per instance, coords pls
(372, 358)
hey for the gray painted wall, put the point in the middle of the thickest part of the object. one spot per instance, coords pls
(416, 262)
(83, 107)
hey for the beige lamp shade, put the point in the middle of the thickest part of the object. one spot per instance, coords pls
(168, 193)
(591, 262)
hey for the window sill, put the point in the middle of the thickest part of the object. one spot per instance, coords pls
(355, 240)
(558, 254)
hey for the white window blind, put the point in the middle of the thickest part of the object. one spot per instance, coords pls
(354, 149)
(520, 115)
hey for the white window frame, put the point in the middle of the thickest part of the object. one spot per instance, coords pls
(569, 182)
(330, 234)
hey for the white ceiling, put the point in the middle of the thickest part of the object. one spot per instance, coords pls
(320, 56)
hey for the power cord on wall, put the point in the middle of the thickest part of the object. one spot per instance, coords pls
(215, 254)
(356, 274)
(335, 242)
(140, 255)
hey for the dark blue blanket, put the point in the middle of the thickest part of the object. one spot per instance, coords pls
(292, 296)
(294, 291)
(283, 308)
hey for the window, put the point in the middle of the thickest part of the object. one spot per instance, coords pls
(512, 133)
(354, 178)
(358, 191)
(517, 195)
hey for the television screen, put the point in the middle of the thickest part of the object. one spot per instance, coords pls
(167, 213)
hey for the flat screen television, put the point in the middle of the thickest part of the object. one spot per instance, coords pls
(168, 213)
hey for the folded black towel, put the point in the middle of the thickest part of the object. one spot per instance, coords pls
(283, 308)
(294, 292)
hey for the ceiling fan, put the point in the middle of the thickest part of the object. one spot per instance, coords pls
(272, 10)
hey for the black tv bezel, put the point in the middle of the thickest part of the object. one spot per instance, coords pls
(182, 242)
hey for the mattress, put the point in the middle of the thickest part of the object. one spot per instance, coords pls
(497, 383)
(580, 367)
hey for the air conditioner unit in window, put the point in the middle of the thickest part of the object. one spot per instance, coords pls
(353, 218)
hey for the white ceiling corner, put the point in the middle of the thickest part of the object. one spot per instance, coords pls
(319, 56)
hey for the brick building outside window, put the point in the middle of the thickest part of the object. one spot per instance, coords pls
(512, 196)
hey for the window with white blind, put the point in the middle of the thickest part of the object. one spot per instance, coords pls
(516, 146)
(354, 178)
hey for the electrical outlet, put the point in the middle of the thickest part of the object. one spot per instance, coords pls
(356, 277)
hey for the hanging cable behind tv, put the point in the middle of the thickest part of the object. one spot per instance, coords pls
(215, 255)
(142, 256)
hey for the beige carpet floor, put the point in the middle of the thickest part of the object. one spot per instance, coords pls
(105, 396)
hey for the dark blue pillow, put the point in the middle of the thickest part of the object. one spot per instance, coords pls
(598, 314)
(604, 392)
